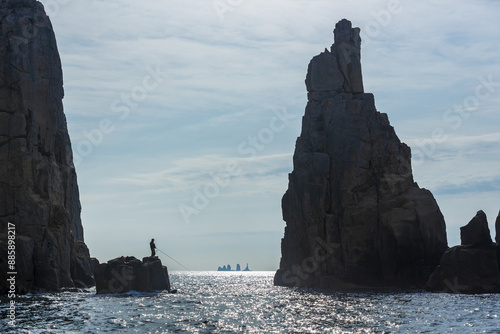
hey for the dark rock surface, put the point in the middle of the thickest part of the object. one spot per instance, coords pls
(81, 266)
(476, 232)
(39, 192)
(497, 229)
(465, 269)
(94, 263)
(354, 215)
(473, 267)
(125, 274)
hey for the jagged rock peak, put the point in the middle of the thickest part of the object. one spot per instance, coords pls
(476, 232)
(39, 192)
(331, 73)
(351, 194)
(345, 33)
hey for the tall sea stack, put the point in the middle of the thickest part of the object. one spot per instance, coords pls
(354, 215)
(39, 198)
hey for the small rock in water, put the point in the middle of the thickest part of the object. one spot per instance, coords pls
(473, 267)
(125, 274)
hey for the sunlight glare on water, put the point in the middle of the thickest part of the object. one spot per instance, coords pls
(247, 302)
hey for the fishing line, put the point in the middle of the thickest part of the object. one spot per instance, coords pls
(173, 259)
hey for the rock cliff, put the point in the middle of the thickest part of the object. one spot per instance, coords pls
(39, 191)
(354, 215)
(472, 267)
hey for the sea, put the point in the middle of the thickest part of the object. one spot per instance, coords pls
(248, 302)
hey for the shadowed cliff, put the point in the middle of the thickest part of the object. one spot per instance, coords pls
(39, 191)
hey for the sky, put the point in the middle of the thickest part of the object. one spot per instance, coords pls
(183, 115)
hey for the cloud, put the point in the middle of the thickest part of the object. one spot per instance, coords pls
(224, 79)
(188, 173)
(462, 164)
(470, 186)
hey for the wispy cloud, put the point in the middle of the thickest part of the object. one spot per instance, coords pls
(188, 173)
(223, 79)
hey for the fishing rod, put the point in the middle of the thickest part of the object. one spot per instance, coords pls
(172, 259)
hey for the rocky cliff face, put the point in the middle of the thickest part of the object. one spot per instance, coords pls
(38, 188)
(354, 215)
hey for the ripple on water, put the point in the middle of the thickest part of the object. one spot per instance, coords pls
(234, 302)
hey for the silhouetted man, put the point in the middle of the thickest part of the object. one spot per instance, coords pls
(153, 247)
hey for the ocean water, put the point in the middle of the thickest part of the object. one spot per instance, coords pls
(247, 302)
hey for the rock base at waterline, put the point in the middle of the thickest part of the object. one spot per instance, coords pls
(125, 274)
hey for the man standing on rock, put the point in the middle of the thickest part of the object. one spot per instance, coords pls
(153, 247)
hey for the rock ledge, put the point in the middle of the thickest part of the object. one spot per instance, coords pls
(125, 274)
